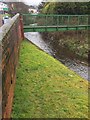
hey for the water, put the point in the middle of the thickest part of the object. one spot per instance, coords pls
(75, 65)
(36, 39)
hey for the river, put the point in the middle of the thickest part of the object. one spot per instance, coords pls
(77, 66)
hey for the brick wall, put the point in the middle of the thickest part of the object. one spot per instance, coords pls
(12, 35)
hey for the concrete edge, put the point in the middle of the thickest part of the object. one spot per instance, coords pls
(6, 27)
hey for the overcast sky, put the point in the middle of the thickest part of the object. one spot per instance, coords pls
(37, 2)
(29, 2)
(32, 2)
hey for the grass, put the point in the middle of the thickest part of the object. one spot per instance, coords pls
(45, 88)
(4, 15)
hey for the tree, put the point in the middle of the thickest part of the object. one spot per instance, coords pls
(67, 8)
(18, 7)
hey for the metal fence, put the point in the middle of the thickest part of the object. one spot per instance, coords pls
(54, 20)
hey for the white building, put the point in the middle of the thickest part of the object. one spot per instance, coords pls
(32, 10)
(3, 7)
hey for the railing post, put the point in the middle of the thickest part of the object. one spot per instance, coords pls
(68, 20)
(87, 19)
(57, 20)
(62, 20)
(78, 19)
(52, 20)
(46, 20)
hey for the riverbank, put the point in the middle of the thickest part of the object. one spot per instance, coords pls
(63, 55)
(45, 88)
(73, 43)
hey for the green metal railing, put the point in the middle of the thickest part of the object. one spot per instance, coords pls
(52, 22)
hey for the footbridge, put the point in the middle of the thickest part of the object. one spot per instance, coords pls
(54, 22)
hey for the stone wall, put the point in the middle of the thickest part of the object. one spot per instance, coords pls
(11, 37)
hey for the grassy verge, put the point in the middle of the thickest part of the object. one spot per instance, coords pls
(47, 89)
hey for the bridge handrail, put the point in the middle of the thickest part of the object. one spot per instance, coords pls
(34, 21)
(52, 15)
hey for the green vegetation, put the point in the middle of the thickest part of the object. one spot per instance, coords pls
(75, 42)
(4, 15)
(45, 88)
(66, 8)
(17, 7)
(49, 8)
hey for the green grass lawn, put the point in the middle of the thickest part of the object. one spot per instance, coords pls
(45, 88)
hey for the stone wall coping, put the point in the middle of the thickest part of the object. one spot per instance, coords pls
(6, 27)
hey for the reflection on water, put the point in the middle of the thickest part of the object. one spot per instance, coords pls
(74, 65)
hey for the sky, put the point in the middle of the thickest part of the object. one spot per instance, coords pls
(37, 2)
(32, 2)
(29, 2)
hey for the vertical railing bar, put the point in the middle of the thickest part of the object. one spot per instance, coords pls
(57, 20)
(87, 19)
(46, 20)
(37, 20)
(34, 19)
(78, 19)
(52, 20)
(62, 20)
(81, 21)
(68, 20)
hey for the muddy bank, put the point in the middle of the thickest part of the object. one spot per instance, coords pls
(73, 44)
